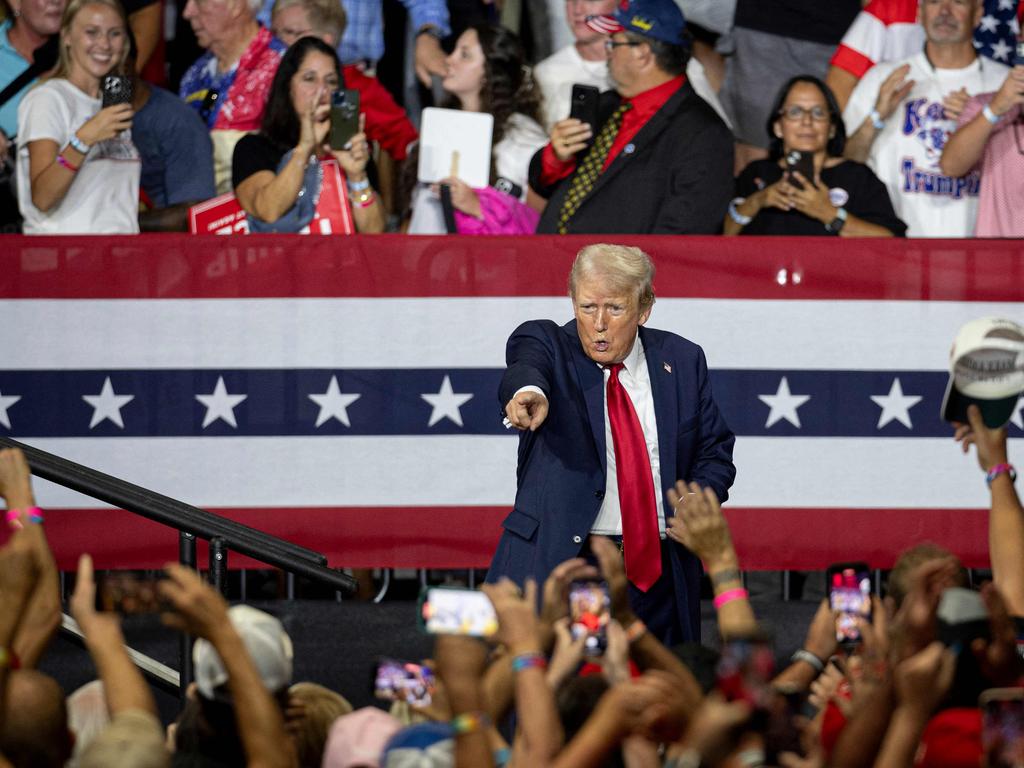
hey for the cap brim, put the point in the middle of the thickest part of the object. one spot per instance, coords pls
(995, 413)
(604, 24)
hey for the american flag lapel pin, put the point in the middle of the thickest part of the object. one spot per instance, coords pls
(668, 368)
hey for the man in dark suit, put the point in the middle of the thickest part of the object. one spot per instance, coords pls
(661, 161)
(612, 415)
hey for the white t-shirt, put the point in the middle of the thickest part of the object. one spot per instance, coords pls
(557, 74)
(523, 137)
(104, 196)
(905, 154)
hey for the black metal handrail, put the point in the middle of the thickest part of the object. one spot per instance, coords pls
(184, 517)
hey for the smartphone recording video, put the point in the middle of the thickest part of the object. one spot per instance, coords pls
(447, 611)
(116, 89)
(802, 162)
(1002, 727)
(589, 614)
(849, 595)
(129, 593)
(396, 680)
(344, 117)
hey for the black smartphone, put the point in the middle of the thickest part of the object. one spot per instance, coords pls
(1002, 727)
(397, 680)
(129, 593)
(1018, 59)
(344, 117)
(803, 162)
(589, 614)
(117, 89)
(448, 611)
(849, 595)
(584, 105)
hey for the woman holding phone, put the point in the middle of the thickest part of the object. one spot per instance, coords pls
(78, 171)
(805, 186)
(276, 172)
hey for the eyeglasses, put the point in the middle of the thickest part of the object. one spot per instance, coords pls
(795, 114)
(610, 45)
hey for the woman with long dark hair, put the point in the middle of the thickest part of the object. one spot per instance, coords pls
(838, 197)
(276, 172)
(487, 73)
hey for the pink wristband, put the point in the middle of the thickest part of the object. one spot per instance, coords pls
(13, 517)
(729, 595)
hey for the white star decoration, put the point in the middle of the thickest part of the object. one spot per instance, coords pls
(333, 404)
(6, 401)
(446, 404)
(783, 405)
(107, 405)
(220, 405)
(895, 405)
(1014, 26)
(988, 23)
(1007, 5)
(1016, 417)
(1001, 51)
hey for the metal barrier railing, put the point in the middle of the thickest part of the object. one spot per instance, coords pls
(191, 523)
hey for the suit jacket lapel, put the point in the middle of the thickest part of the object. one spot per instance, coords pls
(591, 380)
(666, 405)
(644, 138)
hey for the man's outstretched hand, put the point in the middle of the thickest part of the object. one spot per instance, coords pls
(991, 443)
(527, 410)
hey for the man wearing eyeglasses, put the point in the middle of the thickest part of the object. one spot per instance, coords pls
(902, 113)
(659, 160)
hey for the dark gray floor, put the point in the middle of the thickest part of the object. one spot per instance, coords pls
(336, 644)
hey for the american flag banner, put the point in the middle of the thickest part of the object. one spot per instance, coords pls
(341, 392)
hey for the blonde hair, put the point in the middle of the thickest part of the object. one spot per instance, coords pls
(322, 707)
(70, 12)
(624, 267)
(326, 17)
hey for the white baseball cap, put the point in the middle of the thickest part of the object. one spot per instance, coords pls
(986, 369)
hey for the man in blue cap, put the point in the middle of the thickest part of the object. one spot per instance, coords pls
(659, 160)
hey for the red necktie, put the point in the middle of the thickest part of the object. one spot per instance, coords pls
(641, 543)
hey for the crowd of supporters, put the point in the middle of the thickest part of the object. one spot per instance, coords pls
(848, 118)
(905, 692)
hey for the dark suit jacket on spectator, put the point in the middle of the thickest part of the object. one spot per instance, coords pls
(678, 179)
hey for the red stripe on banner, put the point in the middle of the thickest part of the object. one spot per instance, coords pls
(465, 537)
(174, 266)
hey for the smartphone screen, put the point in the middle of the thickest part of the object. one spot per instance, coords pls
(849, 594)
(344, 117)
(803, 162)
(396, 680)
(117, 89)
(447, 611)
(129, 592)
(1018, 59)
(589, 614)
(1002, 727)
(583, 105)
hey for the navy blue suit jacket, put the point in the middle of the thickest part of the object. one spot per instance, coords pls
(562, 465)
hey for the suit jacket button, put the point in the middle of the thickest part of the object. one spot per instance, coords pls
(599, 494)
(576, 540)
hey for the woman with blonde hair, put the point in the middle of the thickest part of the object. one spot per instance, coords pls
(78, 171)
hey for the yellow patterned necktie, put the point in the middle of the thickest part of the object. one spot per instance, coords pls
(590, 168)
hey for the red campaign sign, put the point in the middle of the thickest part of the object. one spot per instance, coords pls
(223, 215)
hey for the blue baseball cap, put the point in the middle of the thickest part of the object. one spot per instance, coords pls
(658, 19)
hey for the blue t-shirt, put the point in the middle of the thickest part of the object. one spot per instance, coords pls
(177, 156)
(11, 65)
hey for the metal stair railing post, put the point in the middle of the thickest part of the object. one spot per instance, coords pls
(187, 557)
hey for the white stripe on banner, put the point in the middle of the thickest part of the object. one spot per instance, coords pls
(466, 332)
(480, 471)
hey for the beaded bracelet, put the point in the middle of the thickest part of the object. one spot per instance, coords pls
(470, 722)
(729, 595)
(999, 469)
(528, 661)
(13, 517)
(65, 163)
